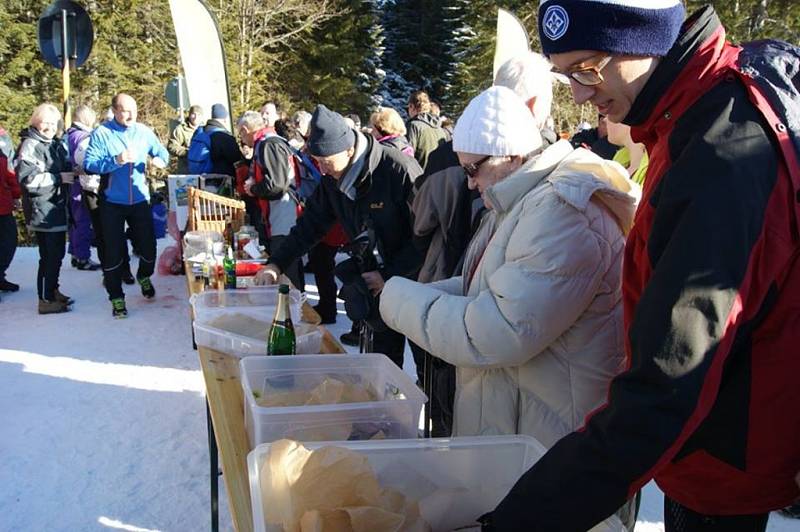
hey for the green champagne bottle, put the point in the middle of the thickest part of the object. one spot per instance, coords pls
(281, 339)
(229, 267)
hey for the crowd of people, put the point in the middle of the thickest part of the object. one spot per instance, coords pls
(629, 296)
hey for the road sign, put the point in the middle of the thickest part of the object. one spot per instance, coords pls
(176, 93)
(65, 17)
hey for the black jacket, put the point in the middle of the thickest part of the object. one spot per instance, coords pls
(274, 158)
(224, 149)
(39, 163)
(442, 214)
(383, 193)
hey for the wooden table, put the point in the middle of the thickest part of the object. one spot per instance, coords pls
(226, 430)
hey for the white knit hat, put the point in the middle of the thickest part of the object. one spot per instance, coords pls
(496, 122)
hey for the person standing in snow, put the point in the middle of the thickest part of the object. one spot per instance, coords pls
(424, 129)
(388, 129)
(9, 194)
(80, 229)
(181, 138)
(118, 151)
(711, 284)
(40, 164)
(533, 324)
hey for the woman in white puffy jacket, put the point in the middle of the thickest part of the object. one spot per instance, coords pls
(534, 324)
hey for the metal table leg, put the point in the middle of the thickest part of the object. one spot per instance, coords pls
(213, 471)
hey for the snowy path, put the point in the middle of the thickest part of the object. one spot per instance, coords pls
(104, 420)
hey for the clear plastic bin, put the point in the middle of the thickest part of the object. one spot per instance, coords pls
(396, 415)
(257, 303)
(455, 480)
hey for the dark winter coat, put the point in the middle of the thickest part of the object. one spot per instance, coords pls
(39, 163)
(442, 214)
(383, 193)
(425, 134)
(9, 186)
(398, 142)
(224, 149)
(709, 405)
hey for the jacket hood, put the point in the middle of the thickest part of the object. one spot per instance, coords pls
(78, 126)
(217, 124)
(578, 176)
(428, 118)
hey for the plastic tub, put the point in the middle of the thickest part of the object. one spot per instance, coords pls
(257, 303)
(396, 415)
(455, 480)
(194, 244)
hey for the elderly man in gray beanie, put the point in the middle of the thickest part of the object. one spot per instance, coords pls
(367, 189)
(533, 324)
(708, 405)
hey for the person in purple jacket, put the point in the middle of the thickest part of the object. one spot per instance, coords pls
(80, 228)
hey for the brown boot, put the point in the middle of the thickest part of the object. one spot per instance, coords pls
(52, 307)
(61, 298)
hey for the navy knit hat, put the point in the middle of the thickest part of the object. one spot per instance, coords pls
(624, 27)
(330, 134)
(219, 112)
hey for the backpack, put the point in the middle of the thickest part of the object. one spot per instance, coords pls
(199, 156)
(770, 70)
(307, 176)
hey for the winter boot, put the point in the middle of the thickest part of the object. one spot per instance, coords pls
(353, 336)
(85, 264)
(52, 307)
(127, 276)
(148, 291)
(58, 296)
(118, 309)
(8, 286)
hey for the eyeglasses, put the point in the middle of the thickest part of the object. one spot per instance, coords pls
(471, 169)
(591, 75)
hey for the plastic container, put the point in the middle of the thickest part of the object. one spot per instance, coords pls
(455, 480)
(194, 244)
(257, 303)
(396, 415)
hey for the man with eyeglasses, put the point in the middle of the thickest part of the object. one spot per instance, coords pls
(711, 282)
(366, 188)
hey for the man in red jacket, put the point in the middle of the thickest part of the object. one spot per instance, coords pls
(711, 281)
(9, 193)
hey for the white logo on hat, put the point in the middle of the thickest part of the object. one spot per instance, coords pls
(555, 22)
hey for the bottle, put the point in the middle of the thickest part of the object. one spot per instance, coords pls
(281, 339)
(209, 267)
(227, 234)
(229, 266)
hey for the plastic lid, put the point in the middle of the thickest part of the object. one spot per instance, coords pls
(283, 289)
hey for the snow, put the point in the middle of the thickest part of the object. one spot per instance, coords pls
(104, 424)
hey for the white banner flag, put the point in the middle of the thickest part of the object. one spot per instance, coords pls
(512, 39)
(202, 54)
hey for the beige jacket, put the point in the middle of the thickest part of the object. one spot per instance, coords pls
(537, 336)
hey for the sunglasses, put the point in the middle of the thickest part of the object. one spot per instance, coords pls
(471, 169)
(591, 75)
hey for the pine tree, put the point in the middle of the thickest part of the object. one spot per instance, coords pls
(338, 63)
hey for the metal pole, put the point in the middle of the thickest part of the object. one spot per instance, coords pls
(180, 98)
(65, 68)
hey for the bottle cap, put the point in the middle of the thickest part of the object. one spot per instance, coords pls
(283, 289)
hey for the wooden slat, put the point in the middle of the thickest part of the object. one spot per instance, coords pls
(224, 394)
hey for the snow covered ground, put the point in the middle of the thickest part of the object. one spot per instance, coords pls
(103, 421)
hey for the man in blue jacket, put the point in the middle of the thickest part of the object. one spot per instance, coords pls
(118, 152)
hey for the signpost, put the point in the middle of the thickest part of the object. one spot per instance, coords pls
(65, 39)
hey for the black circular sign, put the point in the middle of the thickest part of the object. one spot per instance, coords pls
(80, 34)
